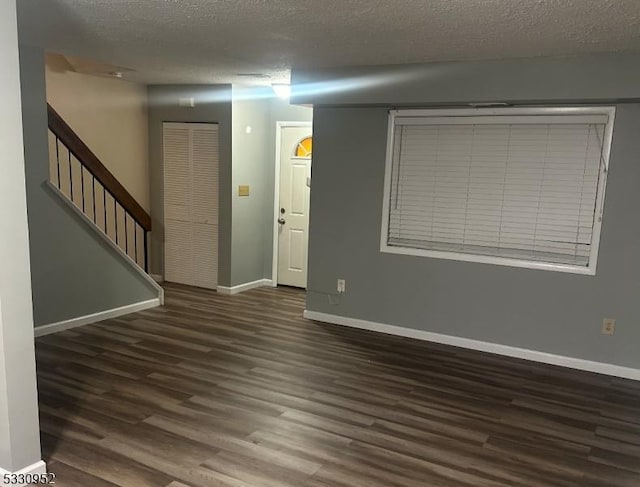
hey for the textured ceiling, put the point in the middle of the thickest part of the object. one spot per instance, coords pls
(208, 41)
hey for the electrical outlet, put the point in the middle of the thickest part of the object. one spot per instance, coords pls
(342, 286)
(608, 326)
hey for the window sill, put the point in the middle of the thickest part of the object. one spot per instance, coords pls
(485, 259)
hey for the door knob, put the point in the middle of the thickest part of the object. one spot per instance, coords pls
(281, 221)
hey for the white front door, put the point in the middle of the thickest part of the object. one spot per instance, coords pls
(293, 215)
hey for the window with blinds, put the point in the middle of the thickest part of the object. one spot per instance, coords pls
(520, 187)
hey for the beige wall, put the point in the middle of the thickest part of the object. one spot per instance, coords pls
(110, 116)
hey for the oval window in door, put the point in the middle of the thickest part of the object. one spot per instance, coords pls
(303, 149)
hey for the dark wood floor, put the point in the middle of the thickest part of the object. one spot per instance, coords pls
(240, 391)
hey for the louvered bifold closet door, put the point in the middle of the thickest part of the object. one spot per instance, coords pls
(177, 203)
(205, 163)
(191, 203)
(520, 187)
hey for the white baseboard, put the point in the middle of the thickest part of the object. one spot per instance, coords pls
(95, 317)
(244, 287)
(35, 468)
(509, 351)
(157, 277)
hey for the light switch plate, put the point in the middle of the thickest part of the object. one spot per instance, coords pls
(608, 326)
(243, 190)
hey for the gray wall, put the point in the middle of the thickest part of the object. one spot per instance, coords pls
(595, 77)
(246, 231)
(212, 105)
(73, 271)
(254, 164)
(540, 310)
(250, 161)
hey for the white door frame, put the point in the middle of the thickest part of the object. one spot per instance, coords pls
(276, 195)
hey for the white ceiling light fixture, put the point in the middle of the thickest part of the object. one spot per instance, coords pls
(282, 90)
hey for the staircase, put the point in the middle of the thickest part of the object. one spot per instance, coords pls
(79, 176)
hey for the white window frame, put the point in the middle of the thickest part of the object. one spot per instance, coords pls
(456, 114)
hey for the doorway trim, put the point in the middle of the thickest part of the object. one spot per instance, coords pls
(276, 194)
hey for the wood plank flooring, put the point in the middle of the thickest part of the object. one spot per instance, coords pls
(241, 391)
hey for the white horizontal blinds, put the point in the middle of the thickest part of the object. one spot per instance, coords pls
(525, 189)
